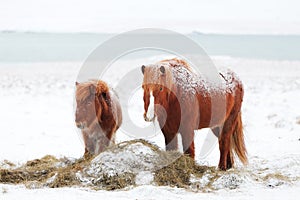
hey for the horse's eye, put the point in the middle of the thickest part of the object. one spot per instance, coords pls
(160, 89)
(88, 103)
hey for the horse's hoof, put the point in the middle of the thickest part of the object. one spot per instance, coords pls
(222, 168)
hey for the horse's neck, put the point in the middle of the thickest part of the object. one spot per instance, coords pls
(94, 127)
(168, 100)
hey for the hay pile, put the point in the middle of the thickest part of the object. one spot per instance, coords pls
(45, 172)
(127, 164)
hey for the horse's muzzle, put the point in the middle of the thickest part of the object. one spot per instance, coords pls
(80, 125)
(148, 119)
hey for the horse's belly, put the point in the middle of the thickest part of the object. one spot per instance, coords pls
(213, 111)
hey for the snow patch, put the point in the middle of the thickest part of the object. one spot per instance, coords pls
(228, 180)
(132, 159)
(144, 178)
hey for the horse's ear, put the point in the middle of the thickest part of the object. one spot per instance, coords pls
(143, 69)
(162, 69)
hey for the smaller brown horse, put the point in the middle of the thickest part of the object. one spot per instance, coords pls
(184, 101)
(98, 115)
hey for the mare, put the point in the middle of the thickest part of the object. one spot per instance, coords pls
(184, 101)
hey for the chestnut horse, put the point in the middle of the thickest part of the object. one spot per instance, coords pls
(98, 115)
(184, 101)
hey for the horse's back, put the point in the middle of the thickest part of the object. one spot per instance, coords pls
(229, 96)
(203, 102)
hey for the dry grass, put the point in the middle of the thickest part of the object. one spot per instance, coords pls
(34, 170)
(178, 173)
(52, 172)
(170, 169)
(39, 171)
(115, 182)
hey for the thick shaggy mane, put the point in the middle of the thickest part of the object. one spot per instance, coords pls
(102, 87)
(90, 88)
(175, 62)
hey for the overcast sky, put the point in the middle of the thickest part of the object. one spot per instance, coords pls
(210, 16)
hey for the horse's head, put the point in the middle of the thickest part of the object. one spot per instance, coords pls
(85, 104)
(156, 85)
(91, 99)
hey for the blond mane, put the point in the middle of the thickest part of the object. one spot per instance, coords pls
(90, 88)
(175, 62)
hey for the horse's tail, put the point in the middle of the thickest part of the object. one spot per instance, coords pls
(237, 142)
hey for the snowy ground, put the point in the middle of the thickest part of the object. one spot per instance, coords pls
(37, 119)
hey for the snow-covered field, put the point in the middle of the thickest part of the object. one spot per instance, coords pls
(36, 104)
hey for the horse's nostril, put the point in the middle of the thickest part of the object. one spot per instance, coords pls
(80, 125)
(148, 119)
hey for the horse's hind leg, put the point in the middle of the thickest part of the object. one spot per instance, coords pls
(223, 142)
(224, 146)
(229, 161)
(226, 157)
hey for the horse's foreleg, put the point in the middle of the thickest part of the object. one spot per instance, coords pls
(216, 131)
(86, 142)
(171, 141)
(188, 143)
